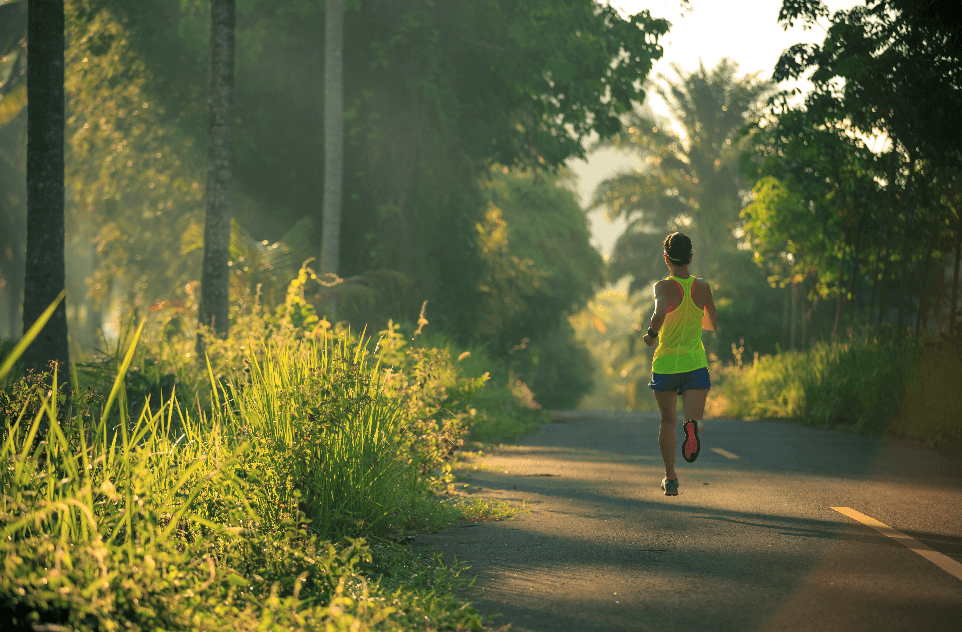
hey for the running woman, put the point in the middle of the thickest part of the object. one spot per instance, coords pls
(683, 307)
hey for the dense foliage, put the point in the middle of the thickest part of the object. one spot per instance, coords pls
(430, 106)
(541, 269)
(233, 493)
(873, 227)
(869, 383)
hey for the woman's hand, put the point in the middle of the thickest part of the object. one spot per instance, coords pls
(651, 342)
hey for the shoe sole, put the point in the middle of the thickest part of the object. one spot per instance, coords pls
(692, 445)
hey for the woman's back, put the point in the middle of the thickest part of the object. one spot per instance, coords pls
(700, 293)
(680, 348)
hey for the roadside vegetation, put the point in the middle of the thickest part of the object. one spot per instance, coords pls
(269, 485)
(873, 383)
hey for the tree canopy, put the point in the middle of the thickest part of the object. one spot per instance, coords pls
(690, 181)
(825, 207)
(429, 103)
(540, 268)
(435, 94)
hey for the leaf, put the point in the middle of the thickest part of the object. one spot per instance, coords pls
(599, 324)
(29, 337)
(13, 103)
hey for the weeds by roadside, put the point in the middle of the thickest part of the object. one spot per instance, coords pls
(874, 383)
(259, 489)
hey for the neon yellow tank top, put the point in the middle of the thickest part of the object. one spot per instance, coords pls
(680, 348)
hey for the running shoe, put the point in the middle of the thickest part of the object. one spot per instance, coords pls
(670, 486)
(692, 445)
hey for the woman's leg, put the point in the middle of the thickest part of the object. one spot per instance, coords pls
(693, 403)
(667, 404)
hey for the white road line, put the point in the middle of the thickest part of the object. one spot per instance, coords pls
(944, 562)
(725, 453)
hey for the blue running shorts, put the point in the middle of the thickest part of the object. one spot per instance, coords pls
(680, 382)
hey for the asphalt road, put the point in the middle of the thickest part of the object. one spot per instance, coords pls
(751, 543)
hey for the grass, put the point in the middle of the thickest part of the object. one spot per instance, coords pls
(929, 410)
(264, 488)
(874, 384)
(503, 411)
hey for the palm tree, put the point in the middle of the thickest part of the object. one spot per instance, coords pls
(691, 180)
(215, 275)
(45, 276)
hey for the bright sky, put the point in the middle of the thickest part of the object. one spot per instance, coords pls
(745, 30)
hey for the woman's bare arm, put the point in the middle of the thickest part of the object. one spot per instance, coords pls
(658, 316)
(661, 307)
(709, 321)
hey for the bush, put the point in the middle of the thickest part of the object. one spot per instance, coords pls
(772, 386)
(857, 384)
(241, 511)
(563, 371)
(477, 398)
(233, 493)
(929, 409)
(873, 384)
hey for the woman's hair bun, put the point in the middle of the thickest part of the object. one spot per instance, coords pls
(678, 248)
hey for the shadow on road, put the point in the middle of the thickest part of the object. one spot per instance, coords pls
(751, 544)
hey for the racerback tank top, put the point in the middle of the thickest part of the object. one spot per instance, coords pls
(680, 348)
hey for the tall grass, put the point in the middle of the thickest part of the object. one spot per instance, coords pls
(238, 513)
(318, 415)
(874, 383)
(242, 491)
(930, 408)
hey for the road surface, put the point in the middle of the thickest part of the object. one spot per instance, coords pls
(776, 527)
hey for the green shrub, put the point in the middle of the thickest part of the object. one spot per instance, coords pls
(929, 409)
(857, 384)
(772, 386)
(434, 391)
(480, 398)
(231, 494)
(563, 371)
(324, 436)
(232, 515)
(874, 384)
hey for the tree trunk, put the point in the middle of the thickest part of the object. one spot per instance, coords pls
(806, 319)
(905, 247)
(333, 136)
(794, 313)
(841, 291)
(888, 237)
(785, 312)
(923, 292)
(215, 275)
(955, 278)
(854, 284)
(44, 276)
(880, 278)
